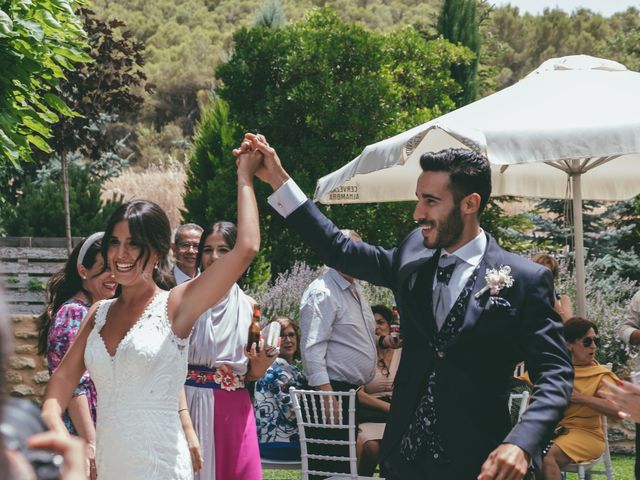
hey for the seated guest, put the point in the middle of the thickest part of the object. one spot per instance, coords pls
(562, 303)
(276, 422)
(374, 397)
(579, 436)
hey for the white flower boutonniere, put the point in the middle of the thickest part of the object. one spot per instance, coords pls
(496, 279)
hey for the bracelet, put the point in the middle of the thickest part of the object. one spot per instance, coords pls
(381, 341)
(182, 410)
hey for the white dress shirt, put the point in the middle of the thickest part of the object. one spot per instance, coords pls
(181, 277)
(338, 332)
(470, 255)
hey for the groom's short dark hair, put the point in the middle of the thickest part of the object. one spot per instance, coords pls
(469, 172)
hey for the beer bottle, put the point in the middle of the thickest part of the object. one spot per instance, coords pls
(254, 329)
(394, 327)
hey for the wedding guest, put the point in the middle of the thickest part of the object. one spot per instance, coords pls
(562, 303)
(136, 346)
(374, 398)
(275, 419)
(70, 293)
(185, 249)
(338, 345)
(579, 436)
(219, 367)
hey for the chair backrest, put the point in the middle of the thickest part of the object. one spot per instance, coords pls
(523, 398)
(315, 411)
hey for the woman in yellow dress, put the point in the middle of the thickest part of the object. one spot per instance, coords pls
(579, 435)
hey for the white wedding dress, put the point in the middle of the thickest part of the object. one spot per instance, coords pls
(138, 432)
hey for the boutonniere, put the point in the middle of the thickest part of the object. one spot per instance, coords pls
(496, 279)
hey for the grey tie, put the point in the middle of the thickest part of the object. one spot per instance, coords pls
(442, 300)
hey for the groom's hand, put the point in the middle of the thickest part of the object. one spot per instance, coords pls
(507, 462)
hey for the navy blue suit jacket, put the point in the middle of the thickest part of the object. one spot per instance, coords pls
(475, 369)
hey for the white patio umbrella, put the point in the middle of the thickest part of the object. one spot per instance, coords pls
(570, 129)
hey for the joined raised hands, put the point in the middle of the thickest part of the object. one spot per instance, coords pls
(270, 168)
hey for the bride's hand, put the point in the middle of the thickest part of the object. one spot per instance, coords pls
(194, 450)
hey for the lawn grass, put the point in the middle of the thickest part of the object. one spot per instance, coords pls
(622, 468)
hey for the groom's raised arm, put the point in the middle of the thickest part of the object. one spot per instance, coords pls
(358, 259)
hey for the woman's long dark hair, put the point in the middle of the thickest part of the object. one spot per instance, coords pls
(150, 229)
(63, 285)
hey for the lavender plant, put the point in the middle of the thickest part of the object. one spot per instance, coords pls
(284, 295)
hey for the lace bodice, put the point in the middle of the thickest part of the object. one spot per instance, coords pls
(138, 432)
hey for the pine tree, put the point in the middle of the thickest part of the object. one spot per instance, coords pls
(458, 23)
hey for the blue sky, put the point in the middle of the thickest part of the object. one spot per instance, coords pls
(605, 7)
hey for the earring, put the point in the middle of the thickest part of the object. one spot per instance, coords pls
(84, 277)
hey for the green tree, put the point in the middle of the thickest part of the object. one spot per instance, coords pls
(321, 89)
(103, 87)
(41, 213)
(40, 41)
(458, 23)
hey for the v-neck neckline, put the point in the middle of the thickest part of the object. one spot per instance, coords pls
(126, 335)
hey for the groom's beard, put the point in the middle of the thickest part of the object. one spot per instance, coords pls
(447, 231)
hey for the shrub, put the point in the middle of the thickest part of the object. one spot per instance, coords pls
(282, 297)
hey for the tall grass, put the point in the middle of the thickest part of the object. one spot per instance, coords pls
(164, 186)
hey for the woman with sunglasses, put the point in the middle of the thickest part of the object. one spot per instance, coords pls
(579, 434)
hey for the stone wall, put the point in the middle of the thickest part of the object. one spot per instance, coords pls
(28, 374)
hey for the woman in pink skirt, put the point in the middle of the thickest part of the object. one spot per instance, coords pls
(219, 403)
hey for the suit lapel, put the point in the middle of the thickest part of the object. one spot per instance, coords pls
(492, 258)
(418, 286)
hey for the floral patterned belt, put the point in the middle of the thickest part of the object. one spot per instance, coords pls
(221, 377)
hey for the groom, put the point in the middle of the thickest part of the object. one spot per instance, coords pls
(464, 326)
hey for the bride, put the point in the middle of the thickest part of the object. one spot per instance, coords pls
(136, 346)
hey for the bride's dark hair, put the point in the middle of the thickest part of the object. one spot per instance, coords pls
(150, 230)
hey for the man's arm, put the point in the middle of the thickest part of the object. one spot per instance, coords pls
(358, 259)
(629, 330)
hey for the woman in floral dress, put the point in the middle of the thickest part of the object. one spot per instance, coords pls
(275, 419)
(70, 293)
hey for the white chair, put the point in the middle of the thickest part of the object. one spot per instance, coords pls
(311, 413)
(523, 398)
(268, 464)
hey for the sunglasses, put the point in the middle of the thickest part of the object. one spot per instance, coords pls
(588, 341)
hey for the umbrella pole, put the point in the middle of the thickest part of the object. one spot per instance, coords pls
(578, 235)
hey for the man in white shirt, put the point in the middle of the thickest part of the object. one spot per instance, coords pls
(185, 250)
(337, 343)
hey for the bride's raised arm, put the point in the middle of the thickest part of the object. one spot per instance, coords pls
(189, 300)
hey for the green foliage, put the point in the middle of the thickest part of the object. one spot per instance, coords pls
(101, 89)
(458, 23)
(211, 184)
(508, 230)
(607, 295)
(40, 212)
(41, 41)
(320, 90)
